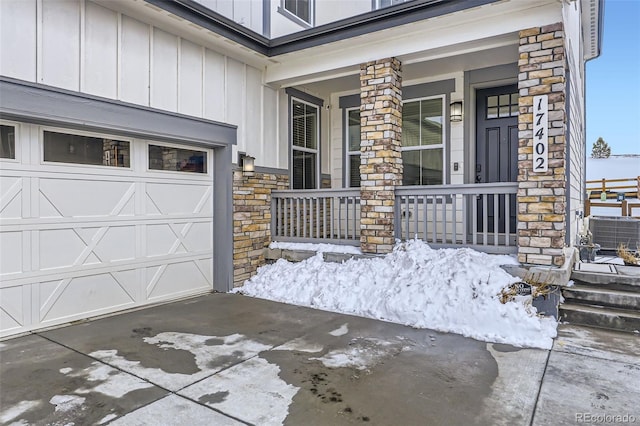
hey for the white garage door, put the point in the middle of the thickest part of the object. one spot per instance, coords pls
(93, 223)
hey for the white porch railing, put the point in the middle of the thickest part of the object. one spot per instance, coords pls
(481, 216)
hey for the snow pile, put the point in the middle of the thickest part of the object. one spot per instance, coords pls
(320, 248)
(450, 290)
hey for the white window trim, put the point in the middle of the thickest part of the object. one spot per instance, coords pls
(348, 154)
(17, 139)
(305, 149)
(68, 131)
(443, 145)
(295, 18)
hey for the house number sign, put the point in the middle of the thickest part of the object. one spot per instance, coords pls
(540, 133)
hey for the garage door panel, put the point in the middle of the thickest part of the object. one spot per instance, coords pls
(198, 236)
(98, 293)
(170, 198)
(161, 281)
(11, 246)
(60, 248)
(90, 197)
(12, 312)
(160, 239)
(117, 244)
(10, 197)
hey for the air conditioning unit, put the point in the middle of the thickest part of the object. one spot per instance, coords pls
(610, 232)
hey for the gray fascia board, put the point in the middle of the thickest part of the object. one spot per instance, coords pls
(48, 105)
(389, 17)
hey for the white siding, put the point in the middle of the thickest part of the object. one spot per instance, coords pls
(60, 53)
(164, 71)
(18, 54)
(134, 67)
(215, 82)
(100, 51)
(328, 11)
(82, 46)
(191, 59)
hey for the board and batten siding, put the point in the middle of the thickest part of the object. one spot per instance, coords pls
(81, 46)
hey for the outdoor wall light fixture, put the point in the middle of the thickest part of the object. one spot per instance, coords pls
(247, 162)
(456, 111)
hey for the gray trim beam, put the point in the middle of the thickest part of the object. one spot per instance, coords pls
(223, 219)
(377, 20)
(350, 101)
(304, 96)
(433, 88)
(40, 104)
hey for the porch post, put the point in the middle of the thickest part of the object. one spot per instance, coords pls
(541, 194)
(381, 160)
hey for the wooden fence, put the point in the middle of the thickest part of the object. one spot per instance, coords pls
(625, 190)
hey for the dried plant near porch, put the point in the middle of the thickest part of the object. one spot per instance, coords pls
(628, 257)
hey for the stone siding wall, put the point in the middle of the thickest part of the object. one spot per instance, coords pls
(252, 219)
(541, 196)
(381, 159)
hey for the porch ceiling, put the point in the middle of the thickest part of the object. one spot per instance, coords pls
(416, 69)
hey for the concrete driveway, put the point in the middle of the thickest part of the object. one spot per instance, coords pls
(225, 359)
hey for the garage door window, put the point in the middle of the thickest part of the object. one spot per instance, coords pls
(79, 149)
(177, 159)
(7, 142)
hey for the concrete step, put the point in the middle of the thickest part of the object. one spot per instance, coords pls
(627, 279)
(602, 296)
(602, 317)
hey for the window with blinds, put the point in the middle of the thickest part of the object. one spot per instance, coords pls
(304, 135)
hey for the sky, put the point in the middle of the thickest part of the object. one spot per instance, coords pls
(613, 81)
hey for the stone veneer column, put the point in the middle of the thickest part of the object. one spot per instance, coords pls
(252, 220)
(381, 160)
(541, 196)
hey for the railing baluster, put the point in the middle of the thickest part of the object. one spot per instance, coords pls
(496, 217)
(340, 218)
(318, 217)
(355, 217)
(507, 219)
(434, 221)
(406, 217)
(298, 217)
(415, 217)
(454, 218)
(474, 218)
(444, 219)
(425, 203)
(485, 219)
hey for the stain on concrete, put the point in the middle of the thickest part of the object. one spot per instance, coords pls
(214, 398)
(500, 347)
(142, 332)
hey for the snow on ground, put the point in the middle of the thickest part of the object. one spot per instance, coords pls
(450, 290)
(320, 248)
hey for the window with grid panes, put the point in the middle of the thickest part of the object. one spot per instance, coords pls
(423, 141)
(304, 134)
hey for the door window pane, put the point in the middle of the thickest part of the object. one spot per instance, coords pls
(78, 149)
(502, 106)
(177, 159)
(7, 141)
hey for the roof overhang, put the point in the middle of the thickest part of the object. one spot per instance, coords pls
(403, 13)
(592, 26)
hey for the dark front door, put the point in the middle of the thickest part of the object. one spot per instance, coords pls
(497, 150)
